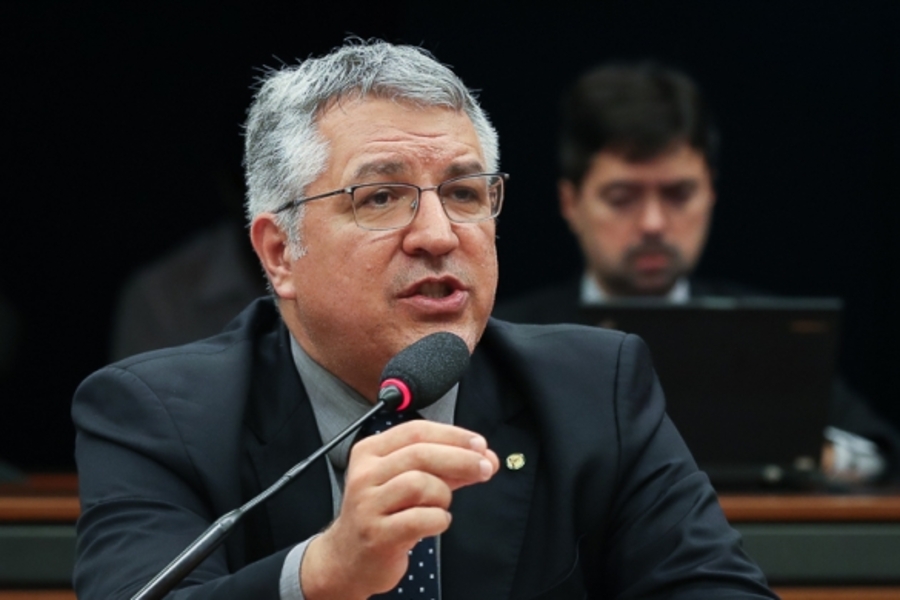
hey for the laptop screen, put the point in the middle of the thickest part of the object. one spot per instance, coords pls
(747, 381)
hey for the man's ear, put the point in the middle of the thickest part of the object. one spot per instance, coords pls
(273, 249)
(568, 201)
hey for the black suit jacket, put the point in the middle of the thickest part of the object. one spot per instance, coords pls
(609, 503)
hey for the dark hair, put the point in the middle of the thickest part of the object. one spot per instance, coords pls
(635, 110)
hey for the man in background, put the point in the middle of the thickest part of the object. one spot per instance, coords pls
(637, 154)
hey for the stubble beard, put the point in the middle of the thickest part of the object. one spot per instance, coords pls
(627, 280)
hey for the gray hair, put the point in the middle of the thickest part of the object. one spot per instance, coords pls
(284, 151)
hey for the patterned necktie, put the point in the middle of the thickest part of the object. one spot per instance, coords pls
(420, 582)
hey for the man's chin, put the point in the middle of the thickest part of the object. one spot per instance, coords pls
(654, 284)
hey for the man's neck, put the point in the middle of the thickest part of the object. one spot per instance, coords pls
(362, 379)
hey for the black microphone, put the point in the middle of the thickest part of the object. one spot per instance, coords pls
(418, 376)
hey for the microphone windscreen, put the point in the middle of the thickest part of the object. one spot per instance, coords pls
(429, 367)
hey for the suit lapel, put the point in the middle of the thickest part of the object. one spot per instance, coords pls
(283, 432)
(480, 551)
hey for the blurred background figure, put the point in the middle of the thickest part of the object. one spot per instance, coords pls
(637, 154)
(195, 289)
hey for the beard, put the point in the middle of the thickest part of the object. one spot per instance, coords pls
(650, 268)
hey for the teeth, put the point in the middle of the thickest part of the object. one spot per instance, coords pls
(434, 290)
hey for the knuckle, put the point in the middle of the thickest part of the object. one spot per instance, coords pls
(408, 529)
(418, 454)
(416, 430)
(359, 451)
(428, 490)
(354, 456)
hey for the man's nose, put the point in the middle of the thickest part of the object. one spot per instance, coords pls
(431, 230)
(653, 217)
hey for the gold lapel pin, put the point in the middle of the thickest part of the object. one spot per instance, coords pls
(515, 461)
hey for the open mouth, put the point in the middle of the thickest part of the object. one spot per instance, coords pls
(434, 289)
(438, 296)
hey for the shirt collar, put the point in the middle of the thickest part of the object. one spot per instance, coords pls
(592, 293)
(336, 405)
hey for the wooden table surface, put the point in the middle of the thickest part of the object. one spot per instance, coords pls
(811, 507)
(43, 497)
(54, 498)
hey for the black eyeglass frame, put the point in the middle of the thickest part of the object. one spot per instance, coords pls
(503, 177)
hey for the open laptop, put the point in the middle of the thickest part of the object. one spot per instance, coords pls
(747, 381)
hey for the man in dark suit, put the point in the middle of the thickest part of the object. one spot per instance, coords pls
(638, 152)
(372, 195)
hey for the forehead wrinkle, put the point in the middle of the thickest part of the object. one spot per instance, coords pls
(379, 167)
(464, 168)
(387, 168)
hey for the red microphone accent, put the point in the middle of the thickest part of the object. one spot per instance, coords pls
(404, 389)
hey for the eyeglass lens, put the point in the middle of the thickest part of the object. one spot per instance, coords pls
(465, 200)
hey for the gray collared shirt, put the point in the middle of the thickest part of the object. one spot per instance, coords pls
(336, 405)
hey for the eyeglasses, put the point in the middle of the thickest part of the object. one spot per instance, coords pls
(385, 206)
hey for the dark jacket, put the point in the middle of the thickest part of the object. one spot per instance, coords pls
(609, 503)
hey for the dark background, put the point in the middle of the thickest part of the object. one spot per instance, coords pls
(118, 123)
